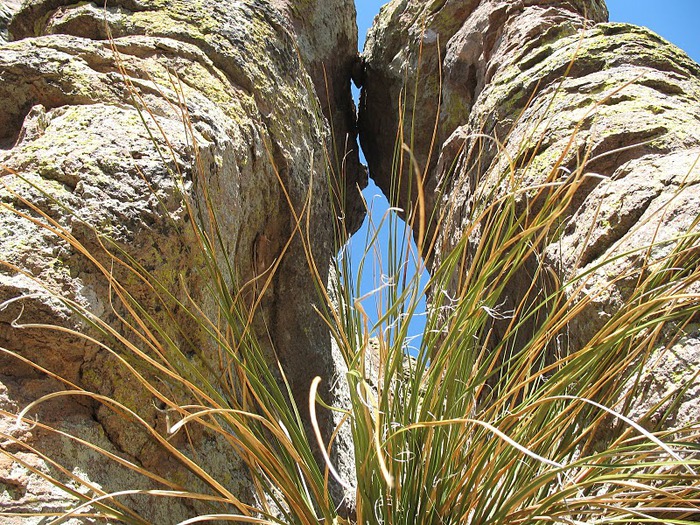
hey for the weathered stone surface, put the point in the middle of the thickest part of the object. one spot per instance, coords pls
(7, 9)
(74, 113)
(552, 86)
(442, 56)
(327, 35)
(670, 371)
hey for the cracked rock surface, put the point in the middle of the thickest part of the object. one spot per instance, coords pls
(92, 132)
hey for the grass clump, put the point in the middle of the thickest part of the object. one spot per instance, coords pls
(497, 419)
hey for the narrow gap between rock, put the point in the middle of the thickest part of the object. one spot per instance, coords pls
(378, 206)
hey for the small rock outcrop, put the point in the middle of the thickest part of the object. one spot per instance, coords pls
(492, 91)
(111, 119)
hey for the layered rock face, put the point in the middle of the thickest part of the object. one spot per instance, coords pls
(110, 120)
(496, 96)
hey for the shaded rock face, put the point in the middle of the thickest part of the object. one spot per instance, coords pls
(531, 75)
(94, 134)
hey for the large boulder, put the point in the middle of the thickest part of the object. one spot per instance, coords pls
(496, 96)
(111, 121)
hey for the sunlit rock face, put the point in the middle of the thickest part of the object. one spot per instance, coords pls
(110, 121)
(494, 96)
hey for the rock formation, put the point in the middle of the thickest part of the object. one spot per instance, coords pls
(552, 87)
(110, 119)
(7, 9)
(122, 124)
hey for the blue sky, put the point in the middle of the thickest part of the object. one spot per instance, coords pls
(675, 20)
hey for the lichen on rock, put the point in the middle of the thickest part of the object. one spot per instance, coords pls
(111, 120)
(497, 96)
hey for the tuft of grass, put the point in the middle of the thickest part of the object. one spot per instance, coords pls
(496, 418)
(492, 419)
